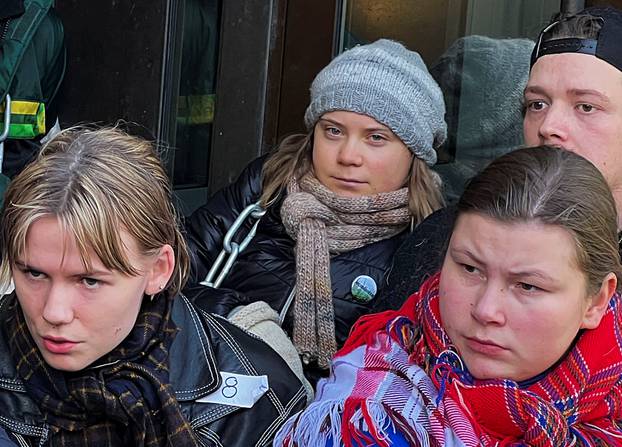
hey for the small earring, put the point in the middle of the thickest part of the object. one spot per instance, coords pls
(150, 297)
(161, 286)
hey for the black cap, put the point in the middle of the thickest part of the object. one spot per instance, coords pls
(608, 45)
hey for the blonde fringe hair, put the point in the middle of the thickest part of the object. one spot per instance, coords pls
(95, 182)
(292, 158)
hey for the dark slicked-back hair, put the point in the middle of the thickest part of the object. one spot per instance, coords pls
(555, 187)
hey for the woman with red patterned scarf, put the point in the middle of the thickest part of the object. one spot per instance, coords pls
(516, 341)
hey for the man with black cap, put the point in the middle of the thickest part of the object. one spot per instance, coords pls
(573, 100)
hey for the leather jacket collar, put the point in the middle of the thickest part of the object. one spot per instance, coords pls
(194, 373)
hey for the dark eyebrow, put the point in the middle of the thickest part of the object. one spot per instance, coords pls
(336, 123)
(466, 252)
(533, 274)
(21, 265)
(534, 89)
(24, 266)
(381, 127)
(95, 273)
(590, 92)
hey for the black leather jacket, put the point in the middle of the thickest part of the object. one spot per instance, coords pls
(266, 269)
(205, 345)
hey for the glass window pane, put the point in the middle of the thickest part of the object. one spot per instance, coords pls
(478, 52)
(197, 99)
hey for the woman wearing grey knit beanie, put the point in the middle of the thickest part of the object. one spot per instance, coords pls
(338, 200)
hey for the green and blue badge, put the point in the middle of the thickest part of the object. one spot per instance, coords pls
(364, 288)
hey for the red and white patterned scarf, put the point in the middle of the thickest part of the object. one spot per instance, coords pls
(398, 370)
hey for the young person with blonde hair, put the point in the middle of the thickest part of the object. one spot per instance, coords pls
(338, 200)
(97, 346)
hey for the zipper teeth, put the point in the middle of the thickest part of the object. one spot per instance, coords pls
(5, 28)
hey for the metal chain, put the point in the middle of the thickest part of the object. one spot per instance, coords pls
(232, 248)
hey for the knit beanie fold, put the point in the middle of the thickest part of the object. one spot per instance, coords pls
(389, 83)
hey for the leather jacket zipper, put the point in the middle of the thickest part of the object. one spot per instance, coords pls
(4, 29)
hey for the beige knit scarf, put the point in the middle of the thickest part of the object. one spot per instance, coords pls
(323, 224)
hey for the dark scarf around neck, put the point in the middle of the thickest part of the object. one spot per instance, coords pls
(123, 399)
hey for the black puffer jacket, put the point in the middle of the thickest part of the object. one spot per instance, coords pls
(266, 269)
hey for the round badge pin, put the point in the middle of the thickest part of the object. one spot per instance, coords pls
(364, 288)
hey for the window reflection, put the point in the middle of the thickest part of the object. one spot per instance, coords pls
(197, 99)
(478, 51)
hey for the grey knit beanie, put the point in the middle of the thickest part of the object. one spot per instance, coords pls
(389, 83)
